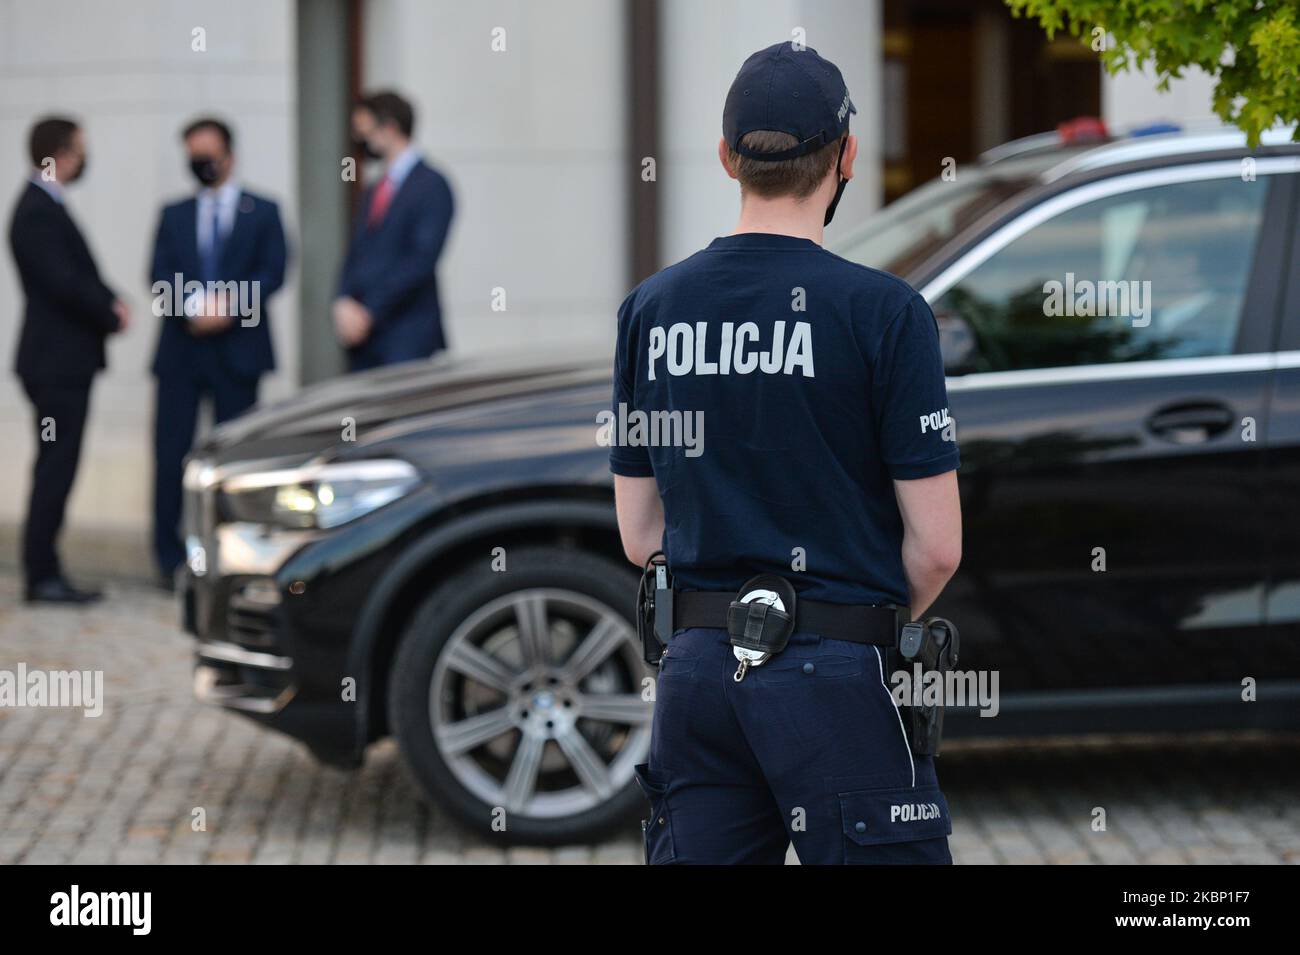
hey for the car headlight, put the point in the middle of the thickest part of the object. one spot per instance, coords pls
(316, 495)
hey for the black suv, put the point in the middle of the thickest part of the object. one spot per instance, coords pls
(430, 550)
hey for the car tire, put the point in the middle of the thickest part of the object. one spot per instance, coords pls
(445, 620)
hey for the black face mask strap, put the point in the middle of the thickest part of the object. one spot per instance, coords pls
(839, 190)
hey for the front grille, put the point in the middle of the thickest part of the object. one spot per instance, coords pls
(236, 612)
(250, 630)
(251, 615)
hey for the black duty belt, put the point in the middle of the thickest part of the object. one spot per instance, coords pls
(856, 623)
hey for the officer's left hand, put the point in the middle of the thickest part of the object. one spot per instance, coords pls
(352, 322)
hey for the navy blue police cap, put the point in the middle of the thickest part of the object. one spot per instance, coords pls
(787, 89)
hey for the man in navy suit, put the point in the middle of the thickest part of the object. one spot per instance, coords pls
(387, 306)
(219, 256)
(68, 314)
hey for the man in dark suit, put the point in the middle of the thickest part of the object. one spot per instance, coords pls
(219, 256)
(69, 313)
(387, 307)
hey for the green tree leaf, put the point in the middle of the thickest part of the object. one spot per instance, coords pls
(1250, 47)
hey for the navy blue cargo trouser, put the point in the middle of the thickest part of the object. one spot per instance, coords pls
(809, 748)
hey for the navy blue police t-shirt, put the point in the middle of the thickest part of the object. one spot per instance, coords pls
(775, 391)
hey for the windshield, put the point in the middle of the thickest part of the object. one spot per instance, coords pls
(905, 233)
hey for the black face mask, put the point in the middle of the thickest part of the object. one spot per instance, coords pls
(204, 169)
(839, 190)
(367, 150)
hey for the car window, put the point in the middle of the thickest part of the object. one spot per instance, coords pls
(1159, 272)
(907, 232)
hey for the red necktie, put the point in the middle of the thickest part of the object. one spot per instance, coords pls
(379, 202)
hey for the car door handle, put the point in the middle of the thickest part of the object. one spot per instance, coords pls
(1191, 422)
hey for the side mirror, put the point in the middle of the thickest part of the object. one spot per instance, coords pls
(956, 342)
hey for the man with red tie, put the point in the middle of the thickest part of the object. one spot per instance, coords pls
(387, 307)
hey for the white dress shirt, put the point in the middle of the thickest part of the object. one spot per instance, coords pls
(401, 167)
(226, 198)
(50, 186)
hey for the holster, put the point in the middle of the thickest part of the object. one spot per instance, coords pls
(654, 608)
(934, 644)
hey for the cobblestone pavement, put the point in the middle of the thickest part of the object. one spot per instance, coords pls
(125, 786)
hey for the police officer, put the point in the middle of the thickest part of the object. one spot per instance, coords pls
(818, 383)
